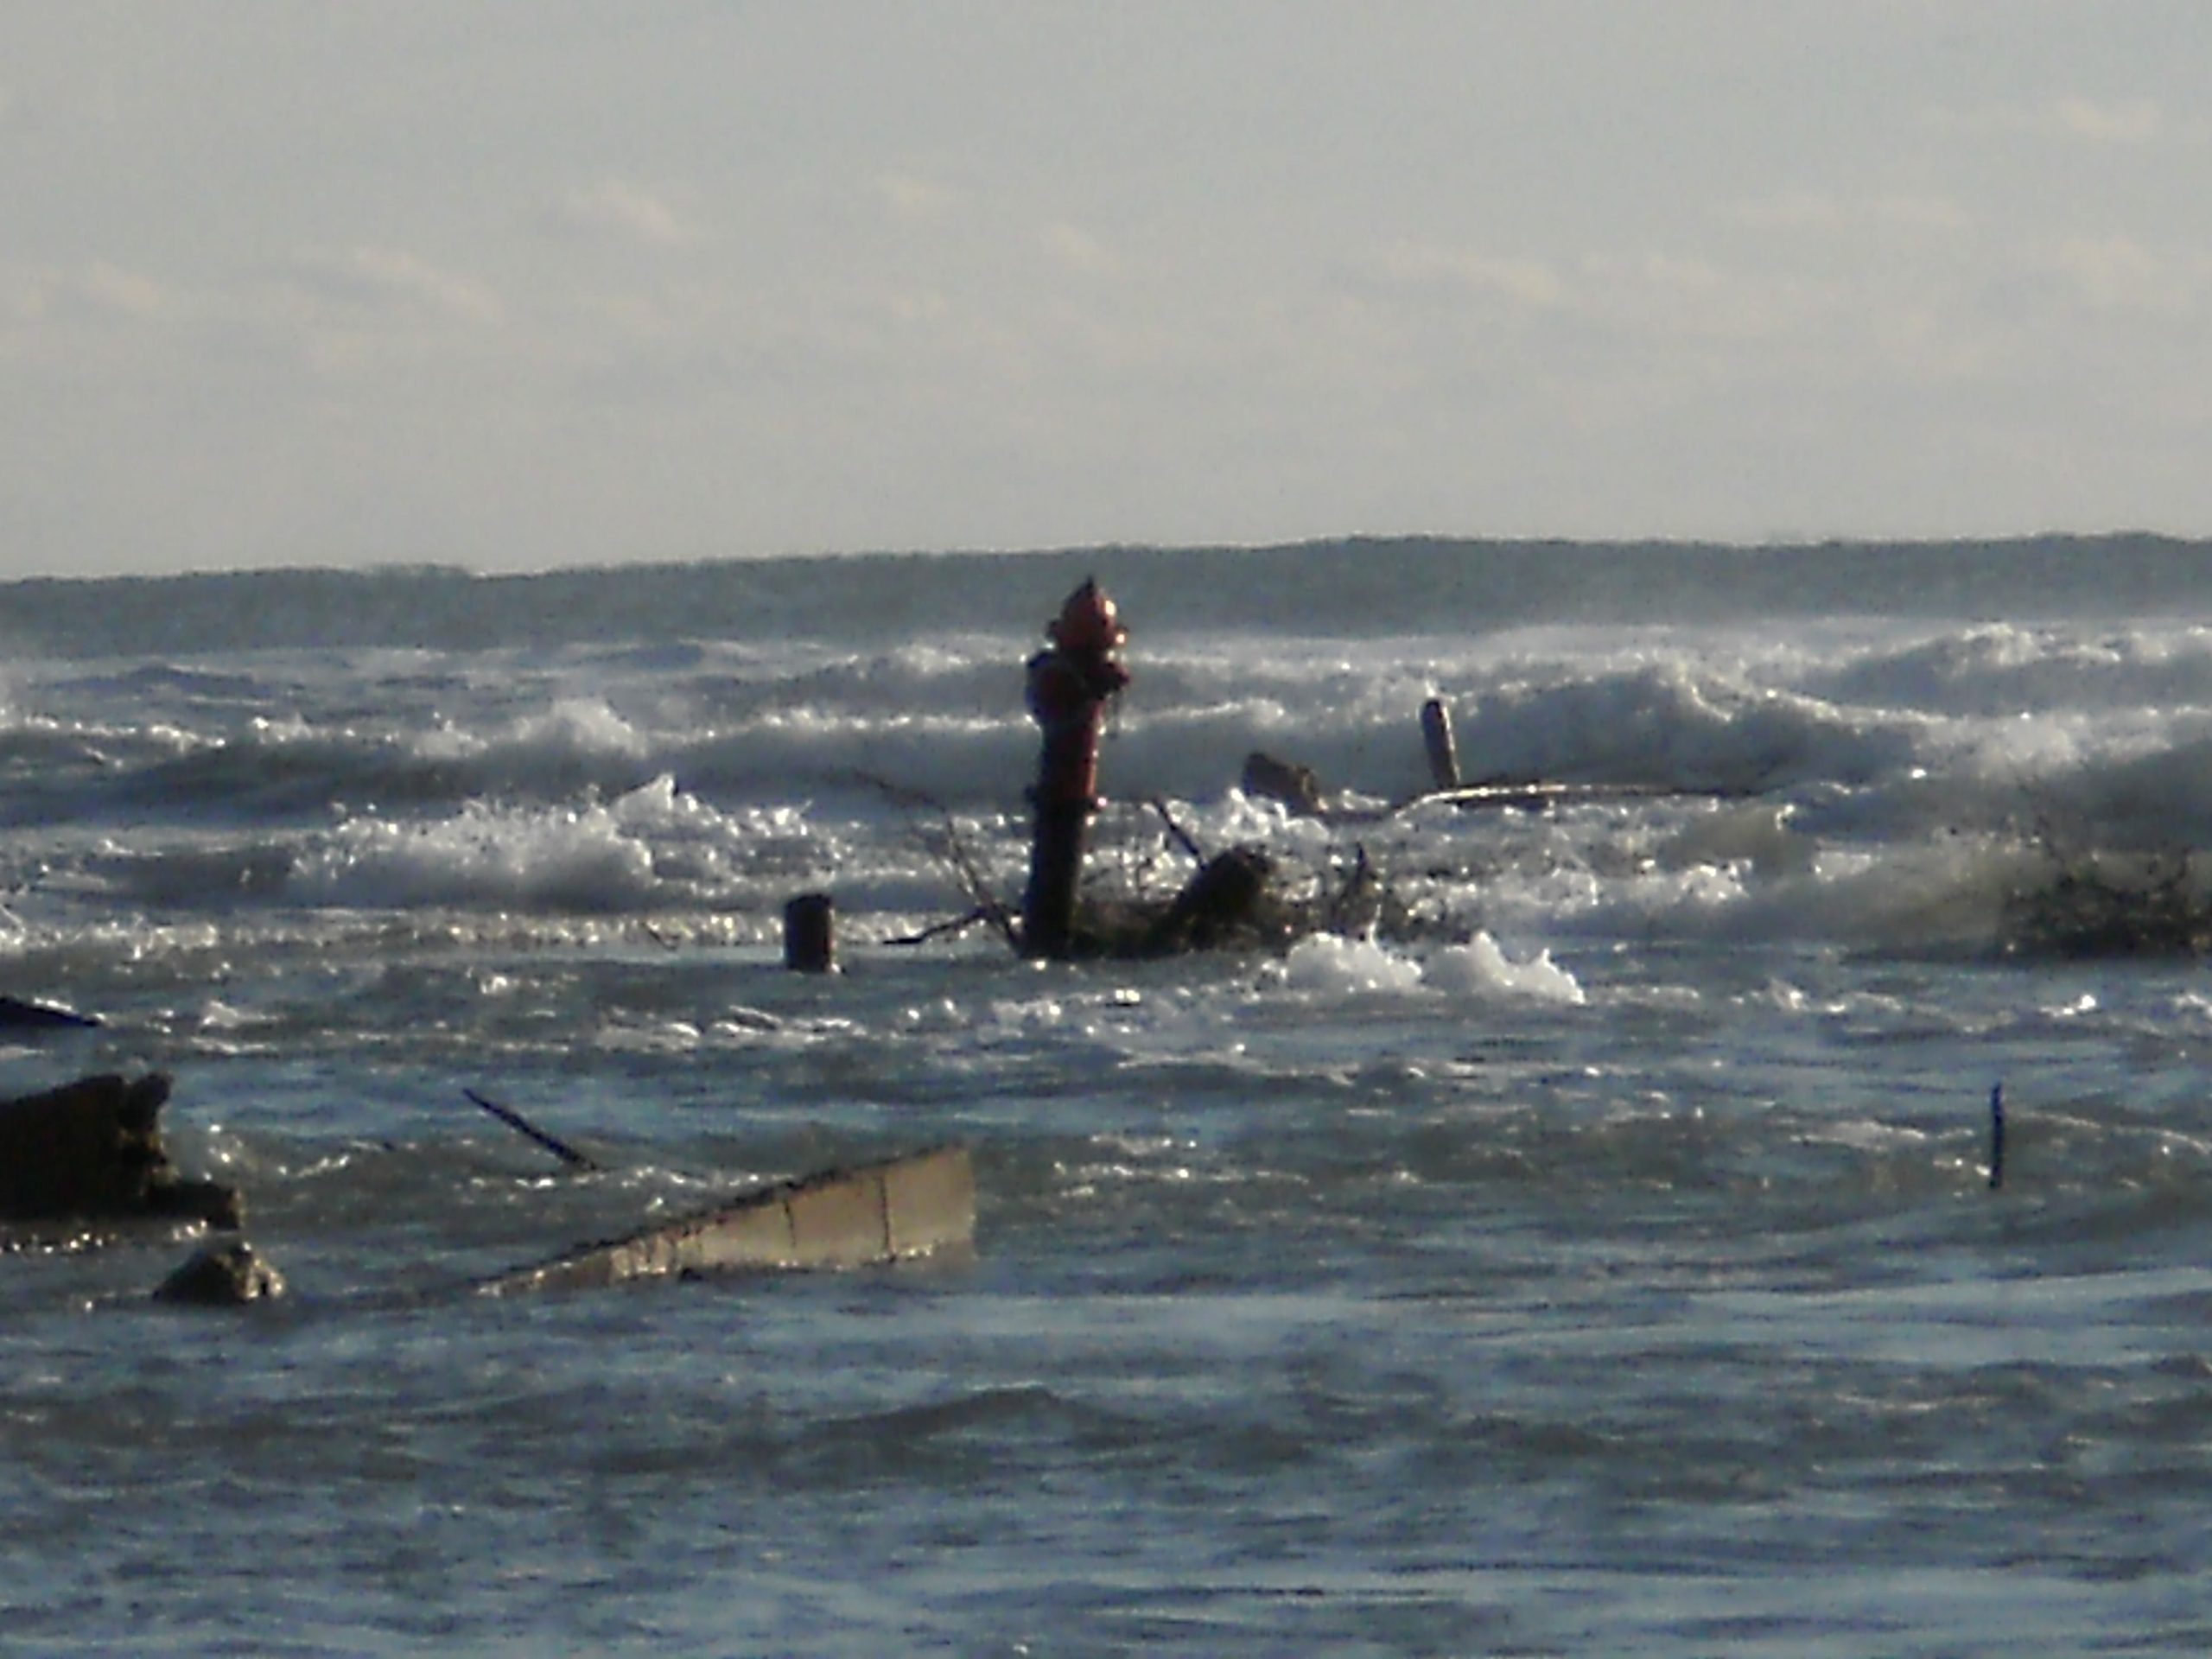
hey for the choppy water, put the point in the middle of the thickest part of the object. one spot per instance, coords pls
(1603, 1261)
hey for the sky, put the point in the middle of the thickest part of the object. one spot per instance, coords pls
(521, 284)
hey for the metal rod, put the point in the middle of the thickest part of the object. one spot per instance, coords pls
(514, 1120)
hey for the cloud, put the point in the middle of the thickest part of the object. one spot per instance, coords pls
(1405, 264)
(2134, 121)
(618, 210)
(2118, 274)
(1652, 293)
(2074, 118)
(98, 292)
(392, 281)
(109, 290)
(1818, 212)
(913, 200)
(1077, 250)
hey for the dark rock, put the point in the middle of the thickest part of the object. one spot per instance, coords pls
(92, 1149)
(222, 1275)
(1297, 787)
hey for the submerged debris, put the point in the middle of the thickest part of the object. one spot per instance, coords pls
(1242, 900)
(16, 1015)
(2104, 904)
(93, 1150)
(888, 1211)
(1299, 788)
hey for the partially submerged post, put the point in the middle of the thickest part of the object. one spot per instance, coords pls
(1071, 682)
(809, 934)
(1436, 733)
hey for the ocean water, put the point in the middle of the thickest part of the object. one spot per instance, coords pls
(1600, 1257)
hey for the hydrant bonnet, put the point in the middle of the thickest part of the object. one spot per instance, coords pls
(1088, 622)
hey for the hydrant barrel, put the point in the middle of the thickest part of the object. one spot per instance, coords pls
(1070, 684)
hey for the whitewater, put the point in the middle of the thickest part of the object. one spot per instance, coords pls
(1600, 1254)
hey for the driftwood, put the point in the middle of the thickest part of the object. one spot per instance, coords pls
(1181, 836)
(1226, 897)
(949, 845)
(1235, 901)
(91, 1150)
(887, 1211)
(955, 926)
(1238, 900)
(1300, 790)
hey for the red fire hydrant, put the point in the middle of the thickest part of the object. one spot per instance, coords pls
(1070, 683)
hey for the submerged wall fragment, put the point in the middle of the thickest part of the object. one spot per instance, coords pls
(886, 1211)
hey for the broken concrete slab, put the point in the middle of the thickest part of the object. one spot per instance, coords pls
(929, 1203)
(893, 1210)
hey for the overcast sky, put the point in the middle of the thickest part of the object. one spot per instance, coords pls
(552, 283)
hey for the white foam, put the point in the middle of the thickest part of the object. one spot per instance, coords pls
(1327, 965)
(1481, 968)
(481, 856)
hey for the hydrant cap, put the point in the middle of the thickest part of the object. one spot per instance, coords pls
(1088, 622)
